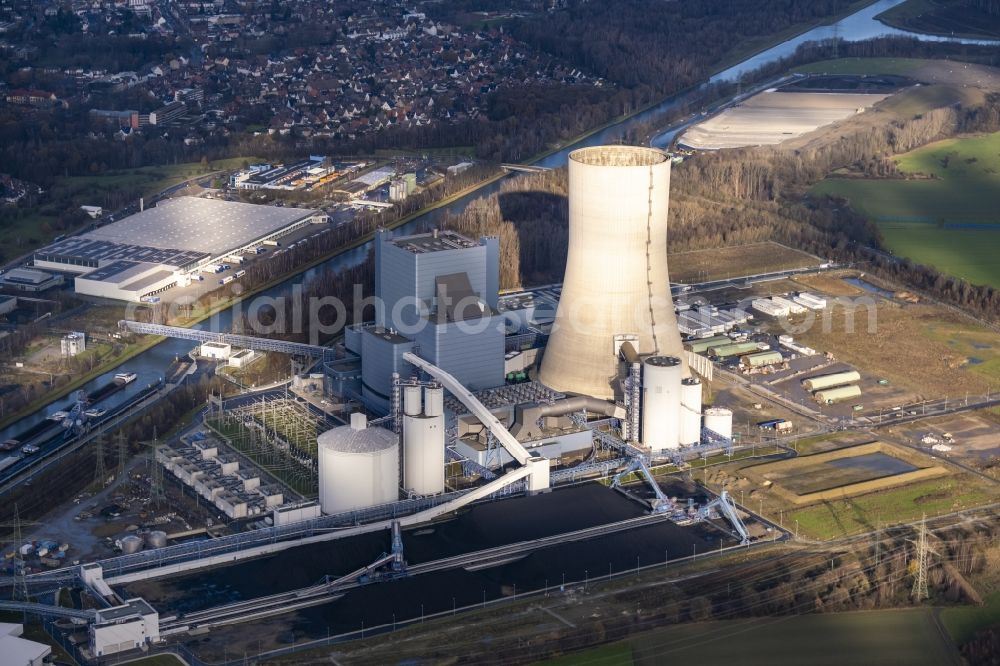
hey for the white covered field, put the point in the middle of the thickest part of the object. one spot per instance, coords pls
(772, 117)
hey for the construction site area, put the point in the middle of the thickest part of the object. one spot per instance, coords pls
(788, 112)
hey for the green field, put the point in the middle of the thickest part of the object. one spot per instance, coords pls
(862, 66)
(962, 622)
(834, 519)
(947, 216)
(615, 654)
(875, 637)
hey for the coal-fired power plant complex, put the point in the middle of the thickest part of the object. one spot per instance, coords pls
(456, 394)
(453, 372)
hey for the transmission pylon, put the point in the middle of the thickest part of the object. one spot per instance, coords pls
(156, 494)
(122, 454)
(100, 471)
(920, 591)
(20, 592)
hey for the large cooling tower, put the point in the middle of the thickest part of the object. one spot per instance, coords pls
(616, 278)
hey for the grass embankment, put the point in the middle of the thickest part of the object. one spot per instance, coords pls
(873, 637)
(951, 18)
(946, 214)
(839, 518)
(862, 66)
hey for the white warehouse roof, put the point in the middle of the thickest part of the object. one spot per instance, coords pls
(208, 225)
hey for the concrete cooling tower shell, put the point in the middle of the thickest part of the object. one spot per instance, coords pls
(661, 402)
(616, 279)
(358, 467)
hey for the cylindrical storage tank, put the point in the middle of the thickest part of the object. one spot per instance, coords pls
(690, 427)
(434, 401)
(423, 454)
(131, 544)
(411, 400)
(358, 467)
(661, 402)
(156, 539)
(720, 421)
(616, 279)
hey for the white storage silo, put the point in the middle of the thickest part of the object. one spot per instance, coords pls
(423, 446)
(434, 401)
(720, 421)
(358, 466)
(661, 402)
(411, 399)
(690, 432)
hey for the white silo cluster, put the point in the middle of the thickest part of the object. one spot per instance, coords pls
(672, 407)
(423, 440)
(358, 466)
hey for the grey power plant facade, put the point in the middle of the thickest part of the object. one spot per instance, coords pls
(616, 280)
(436, 294)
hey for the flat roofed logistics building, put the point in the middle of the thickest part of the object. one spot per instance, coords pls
(150, 251)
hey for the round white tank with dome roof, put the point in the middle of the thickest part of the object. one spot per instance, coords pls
(358, 466)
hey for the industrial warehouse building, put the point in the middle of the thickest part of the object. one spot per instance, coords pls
(160, 247)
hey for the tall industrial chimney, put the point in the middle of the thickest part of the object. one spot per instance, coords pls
(616, 278)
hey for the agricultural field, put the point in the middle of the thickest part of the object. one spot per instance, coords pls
(615, 654)
(946, 215)
(736, 261)
(942, 17)
(873, 637)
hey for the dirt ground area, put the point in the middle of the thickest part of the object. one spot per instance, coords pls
(831, 284)
(92, 535)
(771, 117)
(746, 415)
(975, 436)
(719, 263)
(924, 349)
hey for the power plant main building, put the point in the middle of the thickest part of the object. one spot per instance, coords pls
(616, 284)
